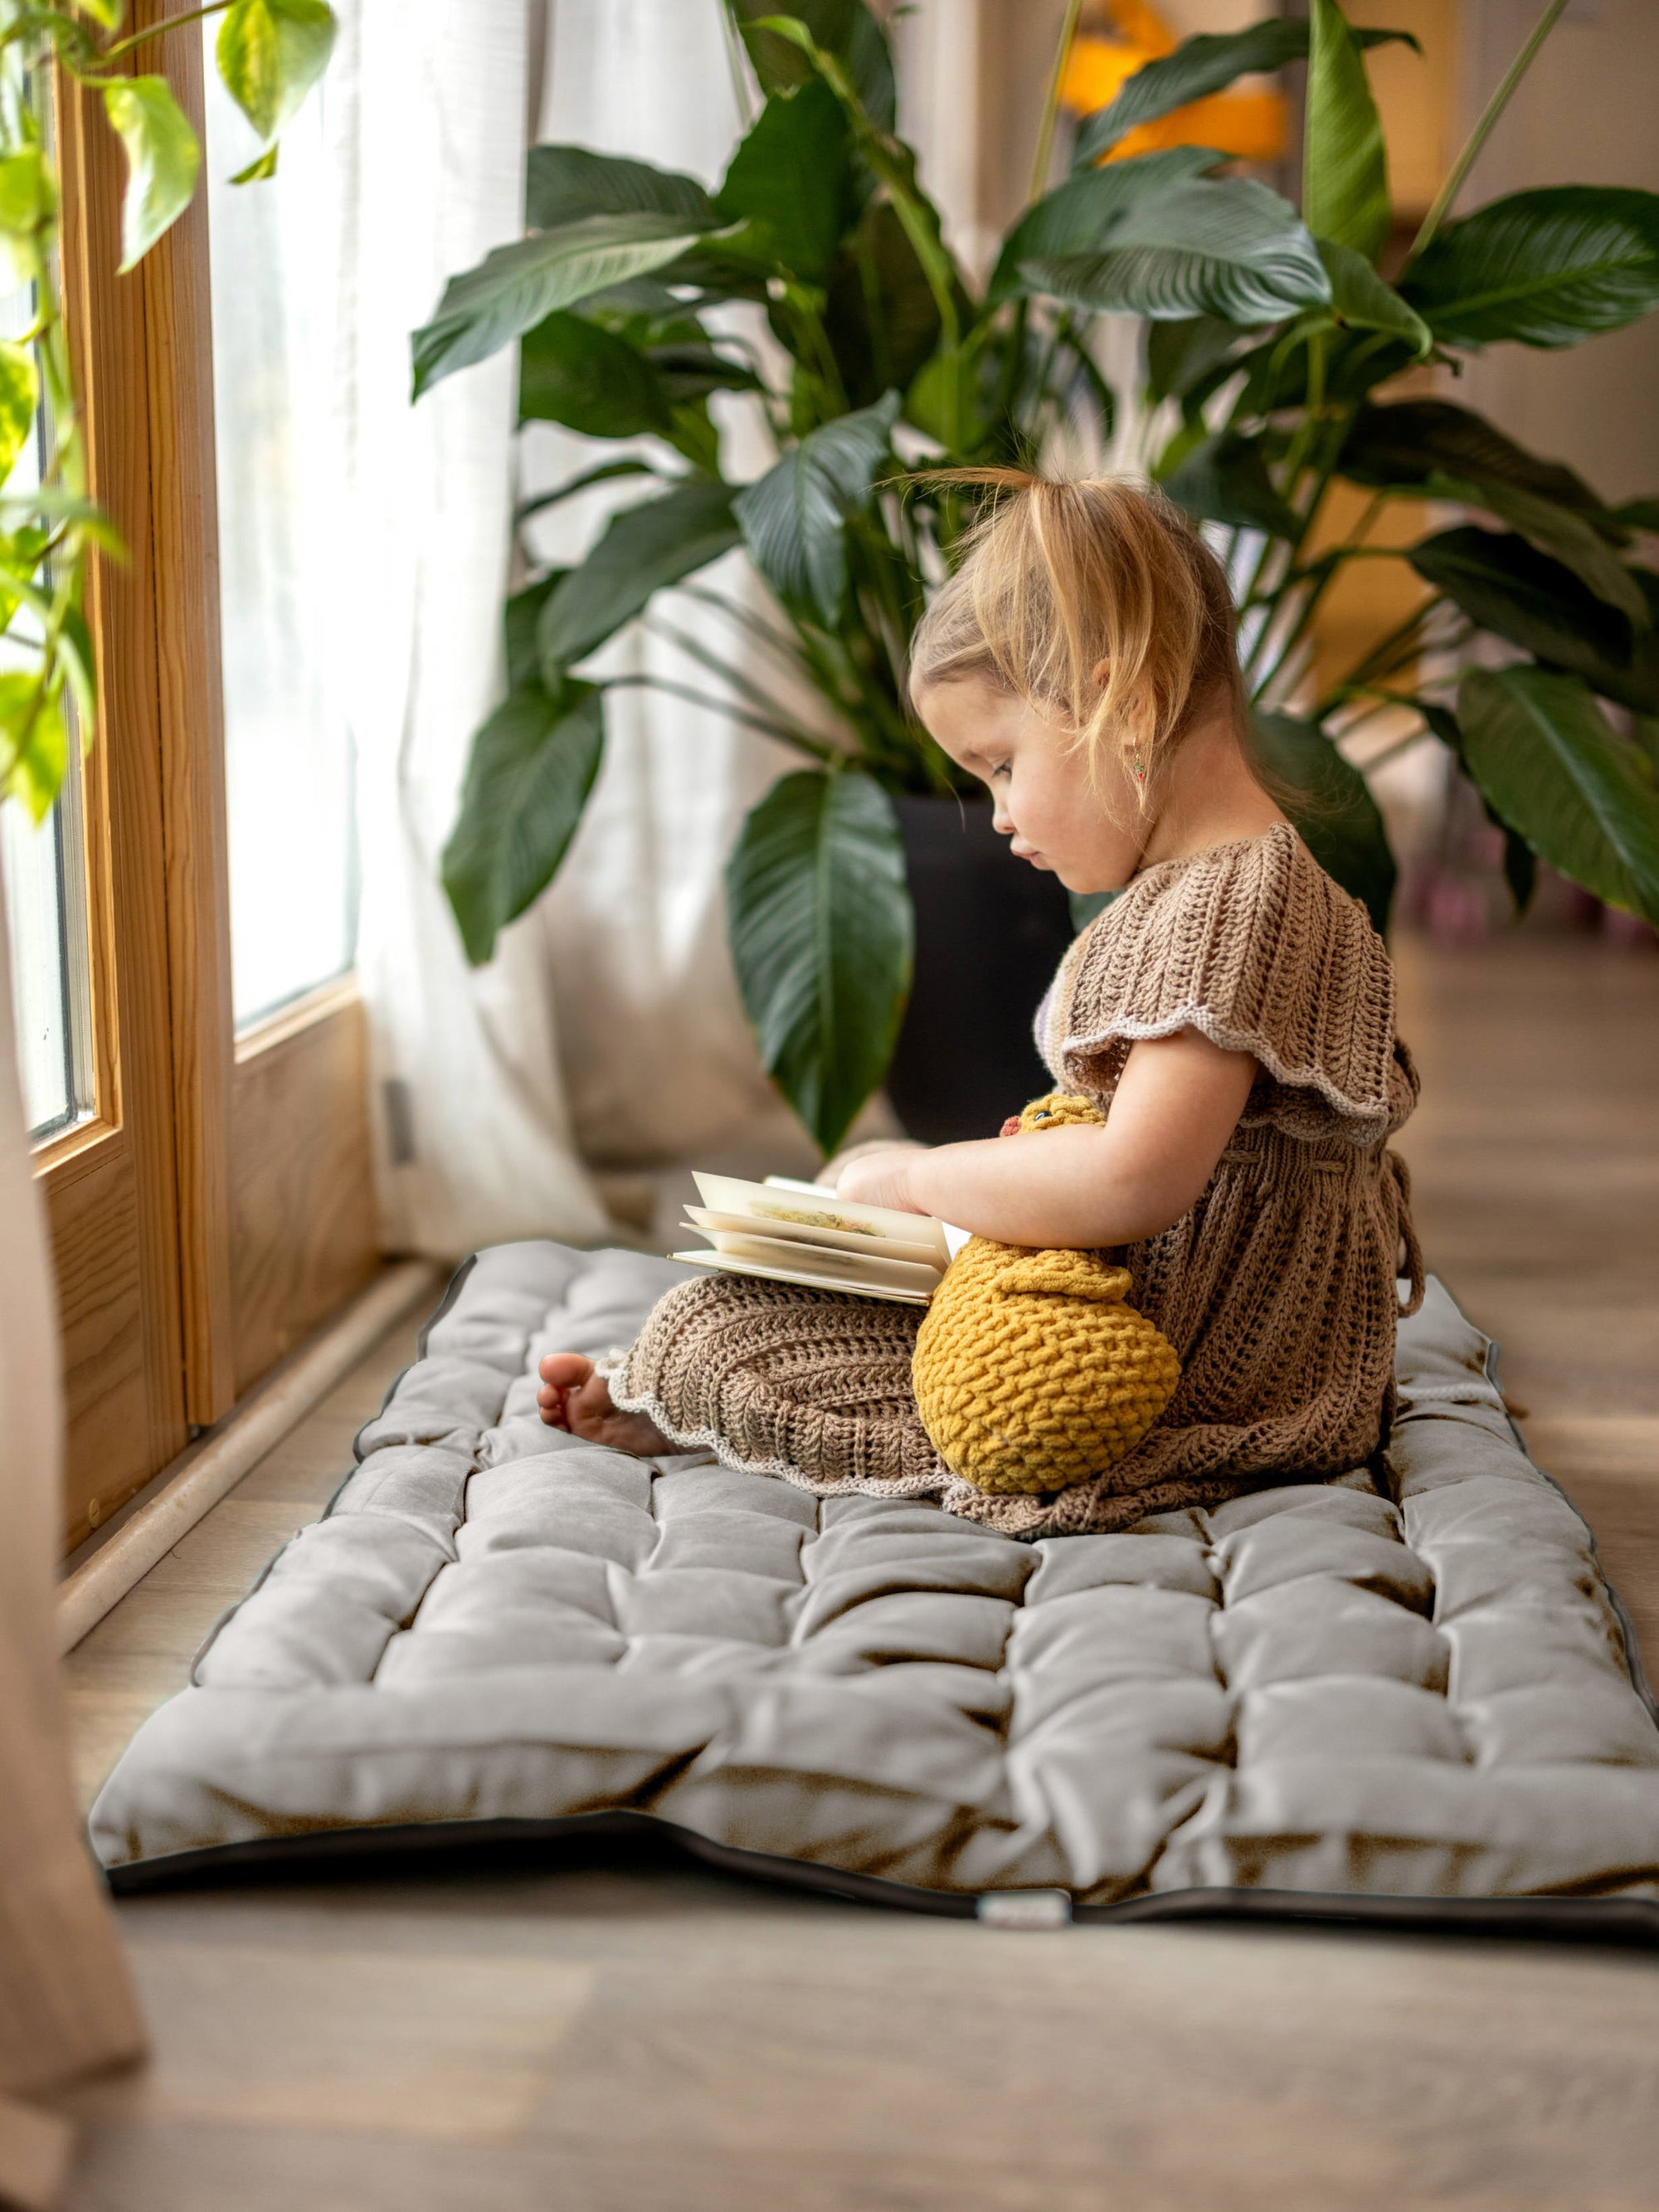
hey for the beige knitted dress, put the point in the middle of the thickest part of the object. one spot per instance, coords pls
(1278, 1288)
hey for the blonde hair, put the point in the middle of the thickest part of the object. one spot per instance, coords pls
(1059, 578)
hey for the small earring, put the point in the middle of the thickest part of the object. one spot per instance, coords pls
(1137, 767)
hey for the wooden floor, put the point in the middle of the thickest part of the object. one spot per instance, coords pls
(656, 2039)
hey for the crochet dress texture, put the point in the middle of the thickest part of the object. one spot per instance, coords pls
(1278, 1289)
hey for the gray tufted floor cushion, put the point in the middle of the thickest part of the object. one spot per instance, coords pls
(1407, 1696)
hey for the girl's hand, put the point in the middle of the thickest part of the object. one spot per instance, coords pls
(879, 1176)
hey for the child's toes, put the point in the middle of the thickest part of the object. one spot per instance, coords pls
(566, 1371)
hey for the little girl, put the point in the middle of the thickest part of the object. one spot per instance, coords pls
(1231, 1012)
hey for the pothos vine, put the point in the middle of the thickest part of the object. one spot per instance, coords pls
(270, 53)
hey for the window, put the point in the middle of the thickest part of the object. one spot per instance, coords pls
(45, 894)
(284, 573)
(205, 1168)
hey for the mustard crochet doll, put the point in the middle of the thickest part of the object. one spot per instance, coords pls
(1030, 1373)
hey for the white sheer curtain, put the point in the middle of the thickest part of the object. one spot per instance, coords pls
(659, 1064)
(429, 103)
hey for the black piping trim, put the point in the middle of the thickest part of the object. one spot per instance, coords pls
(1611, 1918)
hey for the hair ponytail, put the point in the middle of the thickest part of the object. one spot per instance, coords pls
(1094, 600)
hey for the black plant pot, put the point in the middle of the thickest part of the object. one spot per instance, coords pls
(990, 932)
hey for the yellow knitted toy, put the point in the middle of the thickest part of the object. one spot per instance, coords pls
(1030, 1373)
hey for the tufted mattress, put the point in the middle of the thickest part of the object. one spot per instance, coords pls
(1405, 1694)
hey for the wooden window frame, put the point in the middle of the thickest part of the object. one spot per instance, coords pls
(214, 1206)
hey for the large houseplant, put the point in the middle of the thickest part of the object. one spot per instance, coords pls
(1269, 334)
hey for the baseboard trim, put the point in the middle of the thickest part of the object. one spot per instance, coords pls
(217, 1462)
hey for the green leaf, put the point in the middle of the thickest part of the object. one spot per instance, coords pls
(818, 917)
(1637, 514)
(20, 399)
(1553, 530)
(1345, 170)
(520, 621)
(516, 287)
(1553, 768)
(567, 183)
(1230, 248)
(34, 740)
(1413, 440)
(1360, 299)
(1276, 371)
(1182, 355)
(1197, 67)
(1507, 586)
(645, 548)
(791, 183)
(270, 53)
(28, 200)
(691, 369)
(261, 170)
(1330, 804)
(162, 160)
(532, 768)
(1544, 268)
(794, 518)
(1077, 216)
(1224, 478)
(845, 28)
(572, 485)
(572, 371)
(880, 314)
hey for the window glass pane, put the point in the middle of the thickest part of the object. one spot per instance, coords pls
(45, 874)
(288, 751)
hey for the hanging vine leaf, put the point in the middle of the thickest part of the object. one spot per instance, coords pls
(270, 53)
(19, 396)
(818, 917)
(532, 768)
(1554, 768)
(162, 160)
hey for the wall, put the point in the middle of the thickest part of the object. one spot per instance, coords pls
(1585, 115)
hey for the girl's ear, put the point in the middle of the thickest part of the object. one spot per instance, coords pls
(1100, 672)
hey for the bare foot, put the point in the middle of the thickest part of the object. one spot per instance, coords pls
(573, 1397)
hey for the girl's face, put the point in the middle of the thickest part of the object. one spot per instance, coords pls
(1044, 801)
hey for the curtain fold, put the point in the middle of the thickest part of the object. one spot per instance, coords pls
(474, 1139)
(660, 1065)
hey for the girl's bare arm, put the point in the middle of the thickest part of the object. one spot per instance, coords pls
(1176, 1105)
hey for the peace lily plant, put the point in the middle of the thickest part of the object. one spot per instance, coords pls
(269, 52)
(1270, 342)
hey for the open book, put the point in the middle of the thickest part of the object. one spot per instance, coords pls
(802, 1232)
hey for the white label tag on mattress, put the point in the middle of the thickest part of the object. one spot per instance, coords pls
(1025, 1908)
